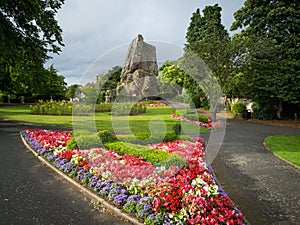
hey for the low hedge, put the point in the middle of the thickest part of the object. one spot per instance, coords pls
(121, 109)
(84, 139)
(192, 115)
(156, 157)
(145, 138)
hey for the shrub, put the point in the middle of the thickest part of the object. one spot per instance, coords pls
(88, 141)
(145, 138)
(262, 112)
(84, 139)
(106, 136)
(177, 128)
(238, 109)
(192, 115)
(120, 109)
(156, 157)
(72, 144)
(103, 107)
(205, 104)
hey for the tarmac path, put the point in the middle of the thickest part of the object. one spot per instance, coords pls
(264, 187)
(31, 193)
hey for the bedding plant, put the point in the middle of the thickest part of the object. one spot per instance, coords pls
(154, 193)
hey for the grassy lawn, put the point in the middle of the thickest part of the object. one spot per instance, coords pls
(286, 146)
(156, 119)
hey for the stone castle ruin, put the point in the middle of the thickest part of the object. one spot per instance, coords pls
(139, 73)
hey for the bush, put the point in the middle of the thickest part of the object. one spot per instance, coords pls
(84, 139)
(103, 107)
(177, 128)
(238, 109)
(59, 108)
(120, 109)
(192, 115)
(72, 144)
(156, 157)
(262, 112)
(106, 136)
(145, 138)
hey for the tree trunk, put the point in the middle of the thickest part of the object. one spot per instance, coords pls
(279, 110)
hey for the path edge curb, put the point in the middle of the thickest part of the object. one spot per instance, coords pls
(85, 190)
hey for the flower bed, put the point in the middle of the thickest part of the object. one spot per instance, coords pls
(209, 125)
(152, 103)
(155, 195)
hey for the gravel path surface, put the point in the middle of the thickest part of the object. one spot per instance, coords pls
(264, 187)
(31, 193)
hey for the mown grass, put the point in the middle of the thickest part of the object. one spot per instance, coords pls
(286, 146)
(156, 119)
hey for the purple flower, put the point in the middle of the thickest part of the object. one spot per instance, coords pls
(120, 199)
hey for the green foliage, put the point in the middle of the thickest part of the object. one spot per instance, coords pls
(103, 107)
(72, 144)
(109, 80)
(128, 109)
(144, 138)
(73, 91)
(106, 136)
(32, 80)
(208, 38)
(177, 129)
(59, 108)
(88, 141)
(89, 94)
(84, 139)
(31, 31)
(262, 112)
(156, 157)
(191, 115)
(238, 109)
(268, 51)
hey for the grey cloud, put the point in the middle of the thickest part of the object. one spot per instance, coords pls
(95, 28)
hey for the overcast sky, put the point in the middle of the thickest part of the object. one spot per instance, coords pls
(96, 33)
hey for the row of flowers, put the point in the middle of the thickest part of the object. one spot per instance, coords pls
(156, 195)
(209, 125)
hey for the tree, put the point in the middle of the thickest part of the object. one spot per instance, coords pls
(28, 32)
(271, 50)
(208, 38)
(73, 91)
(33, 80)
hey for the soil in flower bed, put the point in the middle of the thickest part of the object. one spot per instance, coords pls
(155, 195)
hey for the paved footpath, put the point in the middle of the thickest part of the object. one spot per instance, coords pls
(31, 193)
(265, 188)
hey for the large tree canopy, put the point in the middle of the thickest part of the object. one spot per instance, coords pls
(28, 32)
(269, 53)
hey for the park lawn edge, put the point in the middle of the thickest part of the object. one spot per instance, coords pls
(277, 151)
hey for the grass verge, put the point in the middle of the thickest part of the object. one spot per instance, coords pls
(286, 146)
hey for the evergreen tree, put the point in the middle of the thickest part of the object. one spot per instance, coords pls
(208, 38)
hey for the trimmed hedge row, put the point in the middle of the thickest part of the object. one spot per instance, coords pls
(156, 157)
(191, 115)
(85, 140)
